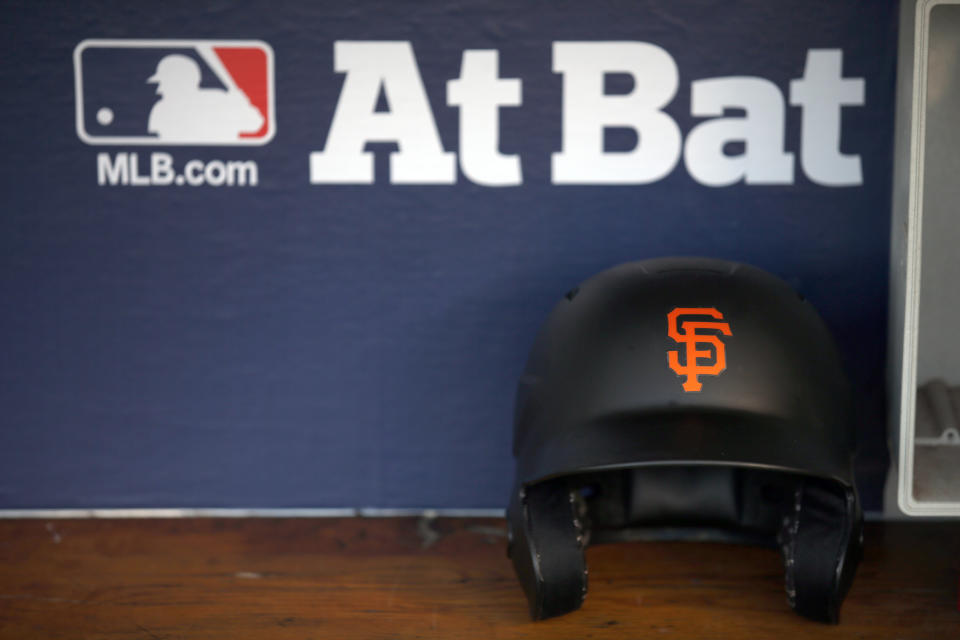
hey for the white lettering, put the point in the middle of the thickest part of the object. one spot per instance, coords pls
(123, 169)
(193, 172)
(112, 172)
(763, 160)
(587, 111)
(241, 173)
(136, 179)
(215, 173)
(479, 92)
(822, 92)
(370, 67)
(161, 168)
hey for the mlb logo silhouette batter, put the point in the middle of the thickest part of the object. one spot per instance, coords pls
(187, 113)
(174, 92)
(689, 333)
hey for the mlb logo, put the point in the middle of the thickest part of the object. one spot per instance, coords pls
(174, 92)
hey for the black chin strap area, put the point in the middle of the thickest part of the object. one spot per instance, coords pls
(821, 541)
(819, 521)
(546, 546)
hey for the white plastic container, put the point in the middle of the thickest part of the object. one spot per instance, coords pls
(925, 264)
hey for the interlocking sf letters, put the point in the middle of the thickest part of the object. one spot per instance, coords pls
(689, 332)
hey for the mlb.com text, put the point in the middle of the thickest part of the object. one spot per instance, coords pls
(123, 169)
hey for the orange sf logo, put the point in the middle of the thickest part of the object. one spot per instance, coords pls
(691, 338)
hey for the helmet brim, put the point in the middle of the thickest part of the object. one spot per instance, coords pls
(735, 439)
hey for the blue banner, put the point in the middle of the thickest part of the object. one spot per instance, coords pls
(294, 254)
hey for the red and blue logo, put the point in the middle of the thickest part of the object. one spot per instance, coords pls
(174, 92)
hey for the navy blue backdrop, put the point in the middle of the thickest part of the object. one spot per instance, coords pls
(298, 345)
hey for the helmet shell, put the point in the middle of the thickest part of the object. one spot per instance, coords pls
(683, 361)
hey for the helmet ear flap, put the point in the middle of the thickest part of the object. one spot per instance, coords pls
(546, 546)
(822, 542)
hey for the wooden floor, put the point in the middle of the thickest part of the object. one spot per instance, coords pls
(448, 578)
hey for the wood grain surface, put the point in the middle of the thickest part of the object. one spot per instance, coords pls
(445, 578)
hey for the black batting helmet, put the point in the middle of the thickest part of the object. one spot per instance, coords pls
(684, 397)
